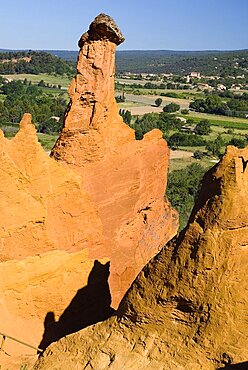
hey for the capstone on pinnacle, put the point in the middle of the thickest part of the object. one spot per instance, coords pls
(103, 27)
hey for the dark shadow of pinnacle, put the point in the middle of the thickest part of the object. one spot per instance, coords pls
(240, 366)
(90, 305)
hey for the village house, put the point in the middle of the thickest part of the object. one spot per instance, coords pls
(203, 87)
(221, 87)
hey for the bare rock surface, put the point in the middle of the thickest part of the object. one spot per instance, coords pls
(77, 228)
(188, 308)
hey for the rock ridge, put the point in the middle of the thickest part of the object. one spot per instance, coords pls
(187, 309)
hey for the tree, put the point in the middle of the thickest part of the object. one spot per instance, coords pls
(41, 83)
(172, 107)
(212, 104)
(158, 102)
(214, 147)
(120, 99)
(203, 127)
(183, 139)
(198, 154)
(183, 188)
(126, 115)
(238, 142)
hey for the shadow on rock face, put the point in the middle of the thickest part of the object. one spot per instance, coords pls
(90, 305)
(240, 366)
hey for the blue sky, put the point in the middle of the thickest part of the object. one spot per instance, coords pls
(157, 24)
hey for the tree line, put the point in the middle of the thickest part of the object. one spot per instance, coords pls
(235, 106)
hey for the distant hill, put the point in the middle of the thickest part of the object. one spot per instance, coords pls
(210, 62)
(33, 62)
(169, 61)
(182, 62)
(69, 55)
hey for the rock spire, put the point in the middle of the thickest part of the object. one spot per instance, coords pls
(125, 178)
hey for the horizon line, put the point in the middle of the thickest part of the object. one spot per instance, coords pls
(128, 50)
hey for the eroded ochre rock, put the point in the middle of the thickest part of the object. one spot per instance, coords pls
(188, 308)
(99, 199)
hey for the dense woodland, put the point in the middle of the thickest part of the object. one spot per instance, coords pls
(21, 97)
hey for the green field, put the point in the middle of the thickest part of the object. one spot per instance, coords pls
(179, 164)
(225, 132)
(64, 81)
(47, 141)
(215, 120)
(181, 94)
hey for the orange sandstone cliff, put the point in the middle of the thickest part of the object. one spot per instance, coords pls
(188, 308)
(50, 235)
(76, 228)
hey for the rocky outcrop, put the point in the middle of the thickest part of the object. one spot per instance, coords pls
(187, 309)
(50, 236)
(125, 178)
(77, 228)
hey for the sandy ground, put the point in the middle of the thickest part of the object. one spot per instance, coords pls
(178, 154)
(139, 111)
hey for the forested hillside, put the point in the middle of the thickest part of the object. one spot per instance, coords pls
(136, 61)
(181, 62)
(34, 62)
